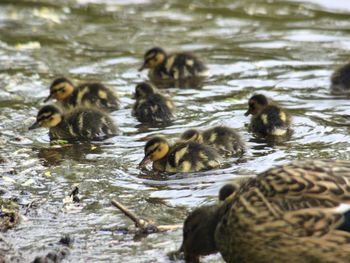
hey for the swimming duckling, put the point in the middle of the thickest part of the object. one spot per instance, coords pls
(299, 212)
(179, 158)
(340, 80)
(224, 139)
(172, 66)
(151, 105)
(86, 94)
(78, 124)
(267, 118)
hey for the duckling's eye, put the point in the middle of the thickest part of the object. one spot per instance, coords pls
(252, 106)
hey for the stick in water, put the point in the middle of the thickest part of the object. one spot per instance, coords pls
(141, 223)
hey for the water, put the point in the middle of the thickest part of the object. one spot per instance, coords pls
(284, 49)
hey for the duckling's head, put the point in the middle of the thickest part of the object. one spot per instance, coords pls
(198, 233)
(60, 89)
(48, 116)
(153, 57)
(192, 135)
(256, 104)
(143, 90)
(155, 149)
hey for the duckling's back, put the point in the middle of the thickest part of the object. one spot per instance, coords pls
(183, 65)
(192, 157)
(271, 121)
(155, 108)
(224, 139)
(92, 95)
(84, 124)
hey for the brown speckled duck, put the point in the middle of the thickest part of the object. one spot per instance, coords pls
(78, 124)
(84, 95)
(299, 212)
(268, 118)
(180, 157)
(173, 66)
(151, 106)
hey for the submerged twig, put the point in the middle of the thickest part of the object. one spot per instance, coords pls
(138, 222)
(143, 224)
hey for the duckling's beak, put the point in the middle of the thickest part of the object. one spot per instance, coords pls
(247, 113)
(143, 66)
(48, 98)
(34, 126)
(146, 160)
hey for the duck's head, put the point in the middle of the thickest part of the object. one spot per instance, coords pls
(143, 90)
(192, 135)
(198, 233)
(256, 104)
(226, 191)
(60, 89)
(153, 57)
(155, 149)
(48, 116)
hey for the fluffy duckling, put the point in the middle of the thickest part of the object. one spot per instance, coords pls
(298, 212)
(173, 66)
(151, 105)
(78, 124)
(340, 80)
(179, 158)
(267, 118)
(86, 94)
(224, 139)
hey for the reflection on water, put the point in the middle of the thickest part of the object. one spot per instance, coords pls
(286, 50)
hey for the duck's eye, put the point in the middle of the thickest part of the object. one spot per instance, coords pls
(51, 118)
(252, 106)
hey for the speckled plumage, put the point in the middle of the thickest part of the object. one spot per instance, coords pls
(293, 213)
(173, 66)
(151, 106)
(183, 157)
(268, 118)
(87, 95)
(78, 124)
(224, 139)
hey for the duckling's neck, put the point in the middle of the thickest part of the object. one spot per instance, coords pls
(160, 70)
(160, 164)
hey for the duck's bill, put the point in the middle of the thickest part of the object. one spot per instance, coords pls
(247, 113)
(34, 126)
(146, 160)
(48, 98)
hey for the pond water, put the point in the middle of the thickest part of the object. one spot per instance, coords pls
(284, 49)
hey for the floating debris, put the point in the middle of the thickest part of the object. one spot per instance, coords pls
(9, 214)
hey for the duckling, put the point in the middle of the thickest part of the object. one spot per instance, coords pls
(151, 105)
(78, 124)
(86, 94)
(340, 80)
(179, 158)
(172, 66)
(299, 212)
(224, 139)
(267, 118)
